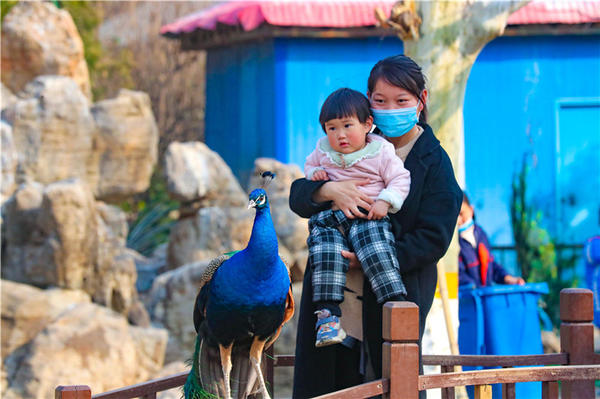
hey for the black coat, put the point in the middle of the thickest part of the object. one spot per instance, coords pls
(423, 229)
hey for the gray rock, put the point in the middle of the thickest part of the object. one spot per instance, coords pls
(127, 145)
(6, 97)
(171, 303)
(92, 345)
(196, 173)
(112, 147)
(9, 162)
(54, 132)
(55, 236)
(51, 235)
(26, 310)
(209, 233)
(39, 39)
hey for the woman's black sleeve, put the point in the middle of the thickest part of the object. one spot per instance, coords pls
(440, 204)
(301, 201)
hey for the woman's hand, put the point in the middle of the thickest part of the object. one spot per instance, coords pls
(346, 196)
(352, 259)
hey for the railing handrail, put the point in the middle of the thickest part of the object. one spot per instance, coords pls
(366, 390)
(546, 359)
(145, 388)
(509, 375)
(400, 361)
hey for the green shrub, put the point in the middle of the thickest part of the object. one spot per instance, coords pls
(152, 219)
(539, 257)
(5, 6)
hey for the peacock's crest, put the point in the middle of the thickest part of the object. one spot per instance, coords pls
(267, 177)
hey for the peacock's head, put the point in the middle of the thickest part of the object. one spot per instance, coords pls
(258, 199)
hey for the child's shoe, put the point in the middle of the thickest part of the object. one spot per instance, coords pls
(329, 331)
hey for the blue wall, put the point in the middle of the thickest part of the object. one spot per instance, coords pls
(511, 109)
(240, 103)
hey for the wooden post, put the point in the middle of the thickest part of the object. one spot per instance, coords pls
(73, 392)
(577, 337)
(483, 392)
(448, 393)
(508, 391)
(549, 390)
(401, 349)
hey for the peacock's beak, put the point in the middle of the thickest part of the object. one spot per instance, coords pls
(251, 204)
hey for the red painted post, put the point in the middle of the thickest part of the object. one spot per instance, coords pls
(73, 392)
(577, 337)
(401, 349)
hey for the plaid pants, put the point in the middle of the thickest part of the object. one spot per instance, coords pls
(371, 240)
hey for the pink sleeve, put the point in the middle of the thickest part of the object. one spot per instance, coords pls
(395, 177)
(312, 164)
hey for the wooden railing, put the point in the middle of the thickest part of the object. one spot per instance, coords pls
(576, 367)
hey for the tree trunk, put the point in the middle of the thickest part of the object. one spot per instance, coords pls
(451, 36)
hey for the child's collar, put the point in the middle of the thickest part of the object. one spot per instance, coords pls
(370, 150)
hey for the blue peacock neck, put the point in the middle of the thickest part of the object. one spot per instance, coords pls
(263, 241)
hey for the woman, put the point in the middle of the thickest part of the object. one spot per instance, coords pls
(423, 228)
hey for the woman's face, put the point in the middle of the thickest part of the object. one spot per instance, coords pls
(388, 96)
(466, 213)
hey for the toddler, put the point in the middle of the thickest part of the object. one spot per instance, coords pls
(350, 152)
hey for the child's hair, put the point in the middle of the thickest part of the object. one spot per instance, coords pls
(400, 71)
(345, 103)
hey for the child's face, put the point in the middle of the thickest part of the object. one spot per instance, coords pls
(347, 135)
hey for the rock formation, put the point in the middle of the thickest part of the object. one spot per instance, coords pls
(112, 146)
(64, 339)
(54, 47)
(195, 173)
(58, 236)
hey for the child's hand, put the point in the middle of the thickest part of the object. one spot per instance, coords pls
(508, 279)
(320, 175)
(378, 210)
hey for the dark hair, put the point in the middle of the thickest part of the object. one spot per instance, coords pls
(466, 199)
(345, 103)
(400, 71)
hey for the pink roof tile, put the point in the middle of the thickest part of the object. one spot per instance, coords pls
(358, 13)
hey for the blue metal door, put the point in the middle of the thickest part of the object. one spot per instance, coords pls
(578, 169)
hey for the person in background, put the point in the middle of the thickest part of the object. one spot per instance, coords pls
(476, 265)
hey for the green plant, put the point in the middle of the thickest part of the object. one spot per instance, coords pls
(152, 214)
(538, 255)
(103, 66)
(5, 6)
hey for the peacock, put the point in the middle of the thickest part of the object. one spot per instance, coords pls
(239, 311)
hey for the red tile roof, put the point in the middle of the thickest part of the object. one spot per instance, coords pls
(358, 13)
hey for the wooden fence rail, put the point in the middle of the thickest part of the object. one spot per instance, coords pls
(576, 367)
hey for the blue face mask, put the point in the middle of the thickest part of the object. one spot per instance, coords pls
(466, 225)
(395, 122)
